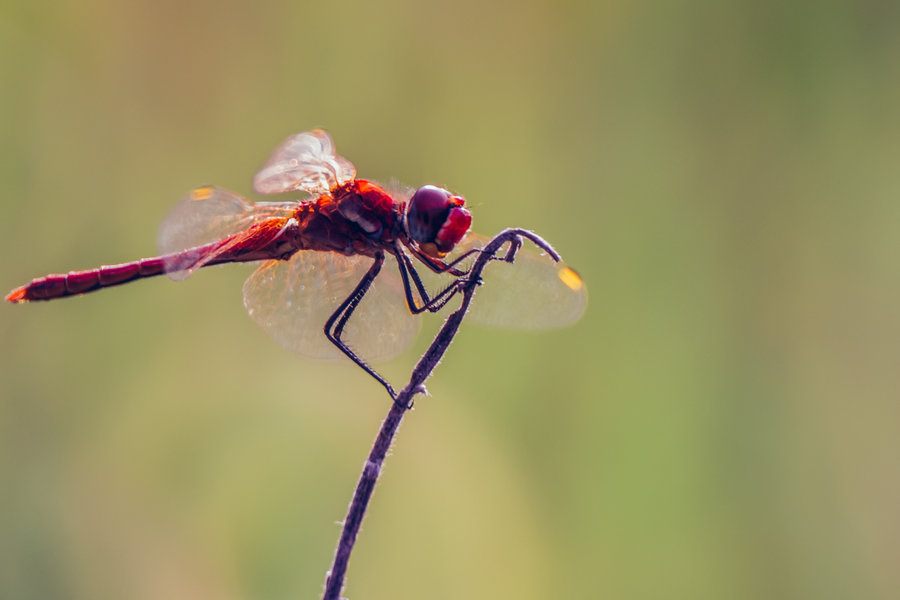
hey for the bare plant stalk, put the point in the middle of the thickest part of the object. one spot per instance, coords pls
(334, 583)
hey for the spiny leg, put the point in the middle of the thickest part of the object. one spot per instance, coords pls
(439, 266)
(334, 331)
(407, 272)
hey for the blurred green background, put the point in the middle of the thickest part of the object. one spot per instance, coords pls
(723, 422)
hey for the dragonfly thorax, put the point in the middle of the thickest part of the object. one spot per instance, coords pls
(367, 205)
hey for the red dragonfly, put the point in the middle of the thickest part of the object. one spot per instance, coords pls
(322, 256)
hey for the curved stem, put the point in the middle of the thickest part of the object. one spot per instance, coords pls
(421, 372)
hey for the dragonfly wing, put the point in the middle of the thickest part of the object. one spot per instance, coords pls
(205, 215)
(293, 299)
(534, 292)
(304, 161)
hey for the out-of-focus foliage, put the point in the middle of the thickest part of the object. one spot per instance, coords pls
(723, 422)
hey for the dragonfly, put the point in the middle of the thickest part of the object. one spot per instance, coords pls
(322, 257)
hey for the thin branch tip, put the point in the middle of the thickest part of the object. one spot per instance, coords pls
(403, 401)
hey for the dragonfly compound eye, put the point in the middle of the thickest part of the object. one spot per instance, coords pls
(436, 219)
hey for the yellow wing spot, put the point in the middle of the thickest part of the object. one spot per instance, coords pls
(569, 277)
(202, 193)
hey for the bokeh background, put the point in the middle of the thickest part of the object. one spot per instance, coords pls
(722, 423)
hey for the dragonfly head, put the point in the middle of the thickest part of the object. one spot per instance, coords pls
(436, 220)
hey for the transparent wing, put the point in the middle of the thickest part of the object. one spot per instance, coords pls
(293, 299)
(304, 161)
(205, 215)
(534, 292)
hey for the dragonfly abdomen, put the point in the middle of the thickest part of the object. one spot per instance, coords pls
(78, 282)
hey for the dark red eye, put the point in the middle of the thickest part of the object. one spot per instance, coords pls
(426, 213)
(436, 219)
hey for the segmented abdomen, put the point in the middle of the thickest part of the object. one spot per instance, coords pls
(79, 282)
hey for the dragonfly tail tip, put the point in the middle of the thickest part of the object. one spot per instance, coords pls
(18, 295)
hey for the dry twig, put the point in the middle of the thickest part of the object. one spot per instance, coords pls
(466, 286)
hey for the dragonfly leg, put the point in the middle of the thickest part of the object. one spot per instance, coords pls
(408, 272)
(439, 266)
(334, 327)
(442, 267)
